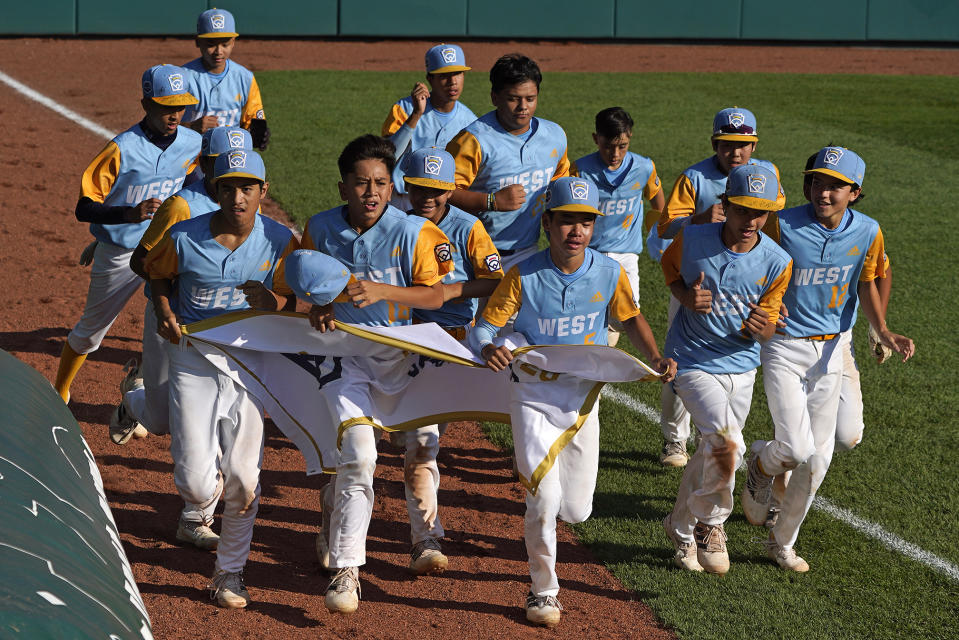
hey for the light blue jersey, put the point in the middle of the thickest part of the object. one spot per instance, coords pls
(489, 158)
(715, 342)
(828, 264)
(434, 129)
(233, 96)
(197, 199)
(400, 249)
(620, 229)
(207, 274)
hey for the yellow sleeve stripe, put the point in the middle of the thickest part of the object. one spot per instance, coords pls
(672, 259)
(162, 262)
(428, 268)
(174, 209)
(280, 287)
(480, 246)
(506, 300)
(681, 203)
(622, 306)
(772, 300)
(254, 103)
(394, 120)
(101, 174)
(468, 155)
(874, 266)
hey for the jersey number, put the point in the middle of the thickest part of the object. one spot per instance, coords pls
(839, 296)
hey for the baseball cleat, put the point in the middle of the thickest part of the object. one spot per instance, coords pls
(674, 454)
(427, 557)
(124, 426)
(685, 556)
(711, 547)
(229, 591)
(757, 493)
(785, 557)
(132, 379)
(343, 594)
(543, 610)
(199, 534)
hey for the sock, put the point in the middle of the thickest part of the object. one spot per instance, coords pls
(70, 363)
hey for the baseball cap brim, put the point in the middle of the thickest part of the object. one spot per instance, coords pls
(453, 68)
(755, 203)
(735, 136)
(833, 173)
(430, 182)
(576, 208)
(178, 100)
(218, 34)
(239, 174)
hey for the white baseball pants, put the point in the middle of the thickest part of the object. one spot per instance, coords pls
(566, 491)
(112, 284)
(421, 477)
(674, 419)
(718, 405)
(150, 405)
(216, 428)
(849, 424)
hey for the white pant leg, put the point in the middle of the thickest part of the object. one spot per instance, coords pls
(151, 404)
(112, 284)
(674, 420)
(630, 264)
(566, 491)
(682, 519)
(718, 405)
(421, 478)
(849, 424)
(353, 497)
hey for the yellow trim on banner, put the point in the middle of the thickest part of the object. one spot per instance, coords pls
(532, 484)
(653, 374)
(416, 423)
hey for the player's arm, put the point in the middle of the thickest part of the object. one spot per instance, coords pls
(562, 168)
(871, 302)
(468, 156)
(95, 185)
(692, 296)
(764, 317)
(162, 267)
(505, 301)
(486, 267)
(653, 192)
(173, 210)
(253, 117)
(623, 308)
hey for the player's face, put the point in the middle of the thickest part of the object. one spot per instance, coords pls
(367, 191)
(161, 118)
(446, 87)
(239, 198)
(569, 232)
(742, 225)
(215, 51)
(428, 202)
(516, 105)
(733, 153)
(830, 196)
(612, 150)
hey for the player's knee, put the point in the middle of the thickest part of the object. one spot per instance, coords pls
(574, 513)
(423, 448)
(847, 442)
(798, 451)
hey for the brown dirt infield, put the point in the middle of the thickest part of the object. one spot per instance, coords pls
(480, 595)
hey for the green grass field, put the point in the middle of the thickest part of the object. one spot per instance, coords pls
(902, 477)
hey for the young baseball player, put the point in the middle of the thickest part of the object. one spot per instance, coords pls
(146, 403)
(695, 199)
(119, 192)
(227, 92)
(837, 254)
(506, 159)
(579, 288)
(730, 279)
(399, 261)
(624, 179)
(431, 115)
(203, 267)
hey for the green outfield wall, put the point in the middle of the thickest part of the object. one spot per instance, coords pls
(63, 571)
(846, 21)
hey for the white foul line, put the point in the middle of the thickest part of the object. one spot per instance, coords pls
(888, 540)
(69, 114)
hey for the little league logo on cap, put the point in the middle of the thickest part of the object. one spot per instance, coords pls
(841, 163)
(753, 186)
(236, 139)
(449, 55)
(165, 84)
(735, 123)
(237, 160)
(736, 119)
(430, 167)
(239, 164)
(176, 81)
(573, 194)
(218, 21)
(579, 190)
(224, 139)
(832, 155)
(445, 58)
(756, 183)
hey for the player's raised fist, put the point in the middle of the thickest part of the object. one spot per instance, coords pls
(713, 214)
(206, 122)
(420, 94)
(696, 298)
(510, 198)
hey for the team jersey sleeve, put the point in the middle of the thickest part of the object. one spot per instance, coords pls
(672, 259)
(771, 228)
(622, 306)
(771, 300)
(884, 265)
(253, 109)
(162, 262)
(562, 168)
(101, 174)
(875, 265)
(432, 256)
(781, 198)
(394, 120)
(280, 287)
(343, 296)
(483, 253)
(573, 169)
(468, 156)
(173, 210)
(680, 204)
(306, 241)
(653, 185)
(506, 300)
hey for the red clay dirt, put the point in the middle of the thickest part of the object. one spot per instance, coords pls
(480, 596)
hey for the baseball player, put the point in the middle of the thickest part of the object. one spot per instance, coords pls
(837, 254)
(203, 267)
(431, 115)
(730, 280)
(399, 261)
(624, 179)
(506, 159)
(119, 192)
(227, 92)
(579, 288)
(695, 199)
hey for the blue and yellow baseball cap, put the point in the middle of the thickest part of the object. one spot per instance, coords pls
(430, 167)
(222, 139)
(216, 23)
(315, 277)
(166, 84)
(446, 58)
(573, 194)
(841, 163)
(735, 123)
(239, 163)
(753, 186)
